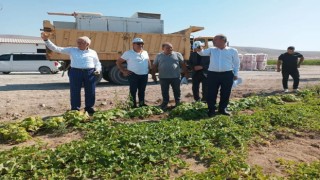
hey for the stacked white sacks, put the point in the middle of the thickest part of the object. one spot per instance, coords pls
(249, 62)
(261, 61)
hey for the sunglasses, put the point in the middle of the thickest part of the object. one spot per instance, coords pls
(139, 43)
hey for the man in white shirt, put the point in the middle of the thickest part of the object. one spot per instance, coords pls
(138, 66)
(85, 65)
(223, 70)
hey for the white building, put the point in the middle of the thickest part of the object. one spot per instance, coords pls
(21, 44)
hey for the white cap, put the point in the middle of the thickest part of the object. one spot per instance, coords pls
(197, 44)
(137, 40)
(85, 39)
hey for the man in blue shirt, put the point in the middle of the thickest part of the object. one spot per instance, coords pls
(290, 65)
(223, 70)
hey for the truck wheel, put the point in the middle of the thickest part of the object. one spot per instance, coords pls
(6, 72)
(117, 77)
(105, 76)
(45, 70)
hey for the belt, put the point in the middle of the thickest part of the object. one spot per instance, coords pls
(220, 72)
(85, 69)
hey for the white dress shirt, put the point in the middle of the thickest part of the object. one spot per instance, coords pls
(82, 59)
(222, 60)
(137, 62)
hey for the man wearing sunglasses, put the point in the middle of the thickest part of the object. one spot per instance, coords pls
(138, 65)
(85, 65)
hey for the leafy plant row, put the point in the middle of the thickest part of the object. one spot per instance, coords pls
(23, 131)
(156, 150)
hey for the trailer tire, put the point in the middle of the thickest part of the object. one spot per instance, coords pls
(117, 77)
(105, 76)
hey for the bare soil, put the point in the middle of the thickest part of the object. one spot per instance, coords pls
(33, 94)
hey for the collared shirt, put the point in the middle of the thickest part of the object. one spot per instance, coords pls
(82, 59)
(221, 60)
(169, 65)
(137, 62)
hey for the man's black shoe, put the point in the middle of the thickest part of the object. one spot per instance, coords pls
(90, 111)
(141, 105)
(163, 106)
(224, 112)
(211, 114)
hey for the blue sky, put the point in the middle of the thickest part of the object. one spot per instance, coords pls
(274, 24)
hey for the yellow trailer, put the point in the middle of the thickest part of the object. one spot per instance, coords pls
(110, 45)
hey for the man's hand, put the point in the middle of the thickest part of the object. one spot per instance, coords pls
(278, 69)
(197, 68)
(186, 75)
(45, 36)
(126, 72)
(96, 73)
(235, 78)
(154, 77)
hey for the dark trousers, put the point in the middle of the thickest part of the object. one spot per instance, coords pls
(175, 84)
(137, 83)
(216, 80)
(198, 78)
(295, 76)
(77, 77)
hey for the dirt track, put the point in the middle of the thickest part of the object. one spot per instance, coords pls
(27, 94)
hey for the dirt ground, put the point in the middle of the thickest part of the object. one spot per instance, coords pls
(33, 94)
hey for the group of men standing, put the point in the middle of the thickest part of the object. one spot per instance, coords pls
(215, 67)
(168, 63)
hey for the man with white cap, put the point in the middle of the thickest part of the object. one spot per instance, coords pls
(138, 66)
(85, 65)
(199, 65)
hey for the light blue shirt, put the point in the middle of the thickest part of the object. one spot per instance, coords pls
(82, 59)
(221, 60)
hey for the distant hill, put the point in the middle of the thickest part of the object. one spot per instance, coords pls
(274, 53)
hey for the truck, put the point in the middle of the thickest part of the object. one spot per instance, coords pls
(111, 36)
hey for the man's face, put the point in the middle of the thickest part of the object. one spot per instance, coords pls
(82, 45)
(138, 46)
(290, 51)
(167, 49)
(218, 42)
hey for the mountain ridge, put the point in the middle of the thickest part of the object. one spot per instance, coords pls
(275, 53)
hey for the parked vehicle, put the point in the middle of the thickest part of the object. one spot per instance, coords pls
(111, 36)
(24, 62)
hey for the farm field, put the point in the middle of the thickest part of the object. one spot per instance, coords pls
(27, 94)
(277, 132)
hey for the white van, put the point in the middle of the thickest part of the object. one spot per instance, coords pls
(24, 62)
